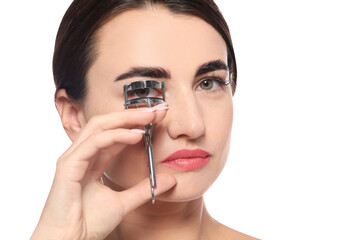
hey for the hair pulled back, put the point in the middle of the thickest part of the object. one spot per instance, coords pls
(75, 42)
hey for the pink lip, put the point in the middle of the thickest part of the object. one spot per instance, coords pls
(187, 159)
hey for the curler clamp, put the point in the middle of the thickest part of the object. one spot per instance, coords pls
(146, 102)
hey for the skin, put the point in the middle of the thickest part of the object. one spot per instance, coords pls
(79, 205)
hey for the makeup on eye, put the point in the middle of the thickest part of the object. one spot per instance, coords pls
(211, 83)
(216, 68)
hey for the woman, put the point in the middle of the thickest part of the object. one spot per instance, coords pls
(101, 188)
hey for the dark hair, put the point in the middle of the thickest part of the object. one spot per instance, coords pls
(74, 48)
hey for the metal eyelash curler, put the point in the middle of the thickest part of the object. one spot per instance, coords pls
(145, 87)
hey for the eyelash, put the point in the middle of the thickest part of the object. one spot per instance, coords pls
(153, 92)
(215, 78)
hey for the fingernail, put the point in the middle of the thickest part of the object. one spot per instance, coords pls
(138, 131)
(153, 109)
(162, 106)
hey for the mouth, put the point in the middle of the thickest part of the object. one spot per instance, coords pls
(187, 159)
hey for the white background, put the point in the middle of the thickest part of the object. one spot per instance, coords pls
(293, 170)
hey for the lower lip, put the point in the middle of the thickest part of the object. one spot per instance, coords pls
(187, 164)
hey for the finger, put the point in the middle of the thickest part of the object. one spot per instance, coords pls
(136, 196)
(125, 119)
(84, 155)
(104, 157)
(160, 113)
(99, 167)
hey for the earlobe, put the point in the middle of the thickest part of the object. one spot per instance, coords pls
(69, 114)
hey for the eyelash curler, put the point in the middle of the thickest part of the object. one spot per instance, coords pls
(145, 87)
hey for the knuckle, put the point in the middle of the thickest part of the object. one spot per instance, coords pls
(60, 167)
(94, 122)
(94, 140)
(60, 161)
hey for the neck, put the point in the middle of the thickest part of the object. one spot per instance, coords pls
(164, 220)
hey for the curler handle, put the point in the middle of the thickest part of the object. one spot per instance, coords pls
(150, 159)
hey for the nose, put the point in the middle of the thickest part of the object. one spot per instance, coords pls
(184, 118)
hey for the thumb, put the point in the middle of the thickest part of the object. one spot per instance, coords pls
(136, 196)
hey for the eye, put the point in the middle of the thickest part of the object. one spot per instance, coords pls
(211, 84)
(142, 93)
(208, 84)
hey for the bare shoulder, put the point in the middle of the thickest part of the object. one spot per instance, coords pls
(228, 233)
(220, 231)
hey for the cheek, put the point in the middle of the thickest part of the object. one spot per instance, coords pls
(218, 117)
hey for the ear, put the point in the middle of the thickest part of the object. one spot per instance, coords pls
(70, 113)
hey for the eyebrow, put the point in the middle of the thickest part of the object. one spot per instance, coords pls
(158, 72)
(150, 72)
(211, 66)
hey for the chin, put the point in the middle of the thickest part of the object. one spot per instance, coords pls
(177, 195)
(190, 186)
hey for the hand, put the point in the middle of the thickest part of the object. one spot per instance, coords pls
(78, 205)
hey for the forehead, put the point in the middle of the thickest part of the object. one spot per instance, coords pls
(157, 37)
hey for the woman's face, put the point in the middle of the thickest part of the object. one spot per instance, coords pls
(200, 112)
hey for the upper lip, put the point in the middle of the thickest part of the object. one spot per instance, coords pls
(186, 154)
